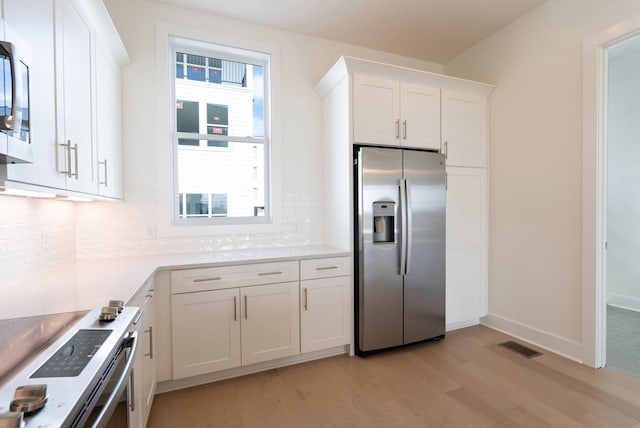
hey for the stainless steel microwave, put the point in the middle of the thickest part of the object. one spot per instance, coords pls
(15, 126)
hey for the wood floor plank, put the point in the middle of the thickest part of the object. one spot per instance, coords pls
(464, 381)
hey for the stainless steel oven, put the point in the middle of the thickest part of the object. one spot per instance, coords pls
(111, 409)
(85, 378)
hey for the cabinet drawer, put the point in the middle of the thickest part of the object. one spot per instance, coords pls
(325, 268)
(192, 280)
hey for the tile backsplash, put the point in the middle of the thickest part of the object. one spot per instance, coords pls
(36, 235)
(105, 229)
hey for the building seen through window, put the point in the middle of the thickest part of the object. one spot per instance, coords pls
(220, 136)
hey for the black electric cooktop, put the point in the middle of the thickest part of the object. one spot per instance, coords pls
(74, 355)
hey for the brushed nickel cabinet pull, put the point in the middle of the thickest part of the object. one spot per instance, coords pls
(269, 273)
(136, 320)
(132, 392)
(67, 147)
(306, 307)
(326, 267)
(404, 129)
(104, 183)
(446, 149)
(213, 278)
(75, 152)
(246, 308)
(150, 353)
(398, 128)
(235, 308)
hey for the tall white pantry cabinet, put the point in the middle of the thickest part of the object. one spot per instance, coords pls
(371, 103)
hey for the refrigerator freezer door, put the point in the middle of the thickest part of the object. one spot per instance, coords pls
(424, 283)
(380, 292)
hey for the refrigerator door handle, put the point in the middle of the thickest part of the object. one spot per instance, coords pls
(408, 209)
(403, 229)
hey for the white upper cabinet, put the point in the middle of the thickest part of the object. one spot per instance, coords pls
(376, 111)
(108, 126)
(75, 97)
(34, 20)
(464, 129)
(420, 116)
(389, 112)
(74, 63)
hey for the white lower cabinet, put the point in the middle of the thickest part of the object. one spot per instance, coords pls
(270, 322)
(144, 378)
(325, 302)
(205, 332)
(215, 327)
(324, 313)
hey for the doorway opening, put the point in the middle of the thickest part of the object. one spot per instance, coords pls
(621, 220)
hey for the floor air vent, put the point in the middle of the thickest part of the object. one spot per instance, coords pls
(520, 349)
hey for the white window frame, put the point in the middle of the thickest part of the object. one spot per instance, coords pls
(208, 49)
(162, 175)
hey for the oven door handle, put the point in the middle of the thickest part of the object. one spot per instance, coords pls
(131, 341)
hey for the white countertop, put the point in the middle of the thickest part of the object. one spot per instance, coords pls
(85, 284)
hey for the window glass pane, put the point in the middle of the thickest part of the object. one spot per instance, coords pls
(221, 98)
(217, 114)
(217, 130)
(196, 67)
(230, 172)
(197, 204)
(219, 204)
(258, 101)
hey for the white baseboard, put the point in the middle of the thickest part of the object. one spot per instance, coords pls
(624, 302)
(462, 324)
(172, 385)
(551, 342)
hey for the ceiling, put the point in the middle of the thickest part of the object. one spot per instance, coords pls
(431, 30)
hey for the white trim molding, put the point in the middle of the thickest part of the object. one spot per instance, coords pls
(462, 324)
(542, 339)
(594, 300)
(623, 302)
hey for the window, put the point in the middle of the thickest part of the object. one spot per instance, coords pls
(202, 205)
(221, 134)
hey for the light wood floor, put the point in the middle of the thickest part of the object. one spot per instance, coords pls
(464, 381)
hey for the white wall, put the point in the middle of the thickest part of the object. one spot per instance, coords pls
(623, 151)
(131, 228)
(535, 238)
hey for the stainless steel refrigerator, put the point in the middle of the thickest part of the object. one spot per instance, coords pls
(400, 246)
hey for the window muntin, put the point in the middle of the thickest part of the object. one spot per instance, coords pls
(221, 161)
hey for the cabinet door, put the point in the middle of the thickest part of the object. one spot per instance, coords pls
(270, 322)
(376, 111)
(205, 332)
(136, 415)
(464, 129)
(74, 65)
(420, 116)
(147, 350)
(34, 20)
(324, 313)
(466, 245)
(108, 127)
